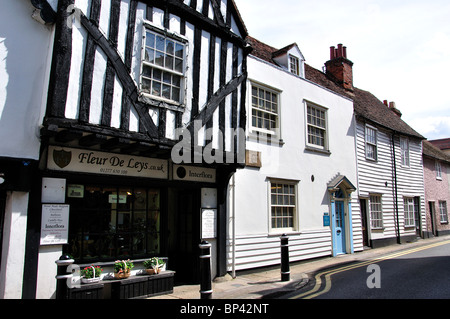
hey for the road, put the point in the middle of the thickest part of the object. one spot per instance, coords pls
(418, 273)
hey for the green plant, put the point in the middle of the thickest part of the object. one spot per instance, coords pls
(88, 272)
(153, 263)
(123, 266)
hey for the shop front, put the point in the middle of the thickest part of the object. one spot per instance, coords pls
(122, 206)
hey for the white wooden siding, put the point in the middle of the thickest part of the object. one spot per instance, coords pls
(373, 176)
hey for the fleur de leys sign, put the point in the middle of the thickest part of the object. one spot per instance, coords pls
(89, 161)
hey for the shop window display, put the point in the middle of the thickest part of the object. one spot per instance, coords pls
(107, 223)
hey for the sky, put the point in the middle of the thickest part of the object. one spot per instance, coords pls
(400, 48)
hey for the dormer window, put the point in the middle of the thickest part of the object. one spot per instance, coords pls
(294, 65)
(291, 59)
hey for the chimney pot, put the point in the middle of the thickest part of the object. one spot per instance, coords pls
(386, 102)
(339, 68)
(332, 53)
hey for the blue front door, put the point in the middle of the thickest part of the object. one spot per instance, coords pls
(339, 228)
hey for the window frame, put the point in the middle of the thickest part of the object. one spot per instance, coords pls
(438, 168)
(176, 39)
(308, 125)
(274, 92)
(443, 212)
(294, 64)
(376, 216)
(370, 143)
(408, 214)
(405, 151)
(294, 218)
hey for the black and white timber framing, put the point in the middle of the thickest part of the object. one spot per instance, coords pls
(94, 98)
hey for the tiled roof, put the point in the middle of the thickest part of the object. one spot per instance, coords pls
(434, 152)
(366, 105)
(443, 144)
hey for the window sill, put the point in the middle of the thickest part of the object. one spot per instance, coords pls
(258, 137)
(317, 150)
(160, 102)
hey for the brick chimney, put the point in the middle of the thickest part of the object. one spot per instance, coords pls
(339, 68)
(393, 108)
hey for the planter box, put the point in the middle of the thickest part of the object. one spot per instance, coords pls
(143, 286)
(88, 291)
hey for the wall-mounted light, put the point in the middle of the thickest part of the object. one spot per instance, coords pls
(2, 178)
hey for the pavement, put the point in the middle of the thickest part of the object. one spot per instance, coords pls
(265, 283)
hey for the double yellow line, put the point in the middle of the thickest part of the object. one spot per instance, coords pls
(315, 291)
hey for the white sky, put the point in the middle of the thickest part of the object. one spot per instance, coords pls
(400, 48)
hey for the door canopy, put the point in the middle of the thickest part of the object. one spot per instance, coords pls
(339, 184)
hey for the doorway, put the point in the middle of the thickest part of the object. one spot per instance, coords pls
(340, 246)
(364, 228)
(432, 218)
(184, 233)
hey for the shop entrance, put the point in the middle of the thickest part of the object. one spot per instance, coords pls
(184, 234)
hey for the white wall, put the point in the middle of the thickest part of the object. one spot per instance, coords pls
(13, 249)
(24, 65)
(255, 245)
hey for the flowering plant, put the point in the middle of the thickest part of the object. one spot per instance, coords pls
(121, 266)
(91, 272)
(154, 263)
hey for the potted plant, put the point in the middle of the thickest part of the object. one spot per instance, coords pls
(122, 268)
(91, 274)
(154, 265)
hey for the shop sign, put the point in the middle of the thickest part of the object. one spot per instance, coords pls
(88, 161)
(209, 217)
(194, 174)
(54, 224)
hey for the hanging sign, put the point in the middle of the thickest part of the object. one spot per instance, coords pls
(89, 161)
(54, 224)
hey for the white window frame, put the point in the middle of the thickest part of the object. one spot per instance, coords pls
(409, 208)
(438, 168)
(443, 214)
(314, 126)
(175, 74)
(404, 147)
(274, 132)
(282, 207)
(294, 65)
(376, 211)
(371, 144)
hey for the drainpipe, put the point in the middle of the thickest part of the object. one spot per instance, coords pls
(233, 228)
(397, 225)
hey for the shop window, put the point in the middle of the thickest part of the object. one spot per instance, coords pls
(108, 222)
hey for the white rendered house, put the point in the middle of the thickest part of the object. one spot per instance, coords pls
(301, 166)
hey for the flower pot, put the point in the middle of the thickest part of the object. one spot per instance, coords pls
(152, 271)
(122, 275)
(90, 280)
